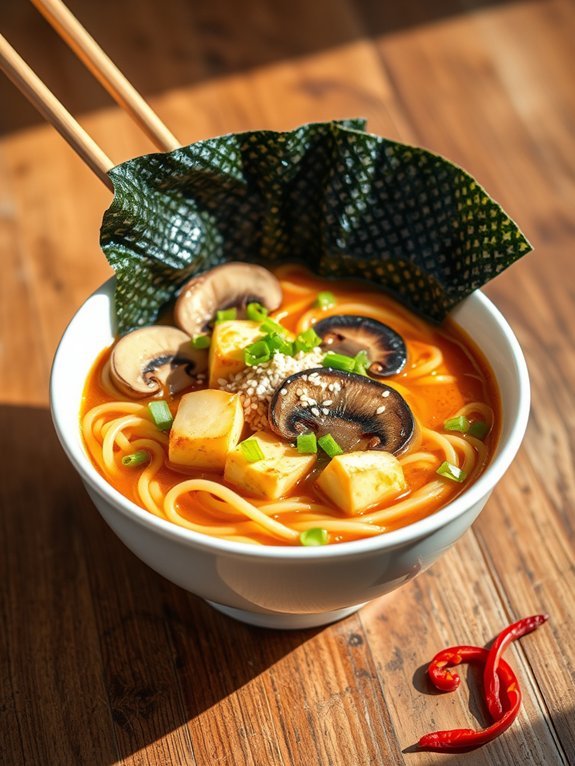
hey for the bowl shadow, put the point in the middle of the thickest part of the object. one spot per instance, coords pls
(91, 633)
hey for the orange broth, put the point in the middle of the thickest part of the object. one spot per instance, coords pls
(431, 403)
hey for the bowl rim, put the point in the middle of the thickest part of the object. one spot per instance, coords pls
(79, 458)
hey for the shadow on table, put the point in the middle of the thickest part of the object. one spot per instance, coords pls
(175, 43)
(91, 632)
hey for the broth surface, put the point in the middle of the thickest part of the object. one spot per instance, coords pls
(444, 373)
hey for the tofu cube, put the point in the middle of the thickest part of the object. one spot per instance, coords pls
(229, 339)
(274, 476)
(357, 480)
(208, 424)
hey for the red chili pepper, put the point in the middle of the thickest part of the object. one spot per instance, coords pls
(497, 675)
(490, 679)
(458, 739)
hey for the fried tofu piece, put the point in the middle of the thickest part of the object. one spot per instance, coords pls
(355, 481)
(229, 339)
(273, 477)
(208, 424)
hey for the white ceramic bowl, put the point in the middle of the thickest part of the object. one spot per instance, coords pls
(284, 587)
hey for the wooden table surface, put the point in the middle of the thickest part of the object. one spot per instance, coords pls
(102, 661)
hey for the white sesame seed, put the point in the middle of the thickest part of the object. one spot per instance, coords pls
(315, 411)
(257, 384)
(325, 411)
(379, 410)
(327, 402)
(222, 382)
(386, 394)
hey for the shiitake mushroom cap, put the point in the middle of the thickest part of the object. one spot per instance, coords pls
(360, 413)
(348, 334)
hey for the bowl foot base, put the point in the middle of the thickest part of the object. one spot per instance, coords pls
(282, 620)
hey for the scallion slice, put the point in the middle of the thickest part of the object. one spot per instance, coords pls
(161, 414)
(226, 315)
(271, 326)
(307, 340)
(307, 444)
(460, 423)
(314, 536)
(258, 353)
(450, 471)
(361, 362)
(256, 312)
(329, 445)
(479, 429)
(277, 343)
(251, 450)
(325, 300)
(136, 458)
(201, 341)
(339, 361)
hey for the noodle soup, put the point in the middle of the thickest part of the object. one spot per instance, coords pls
(330, 414)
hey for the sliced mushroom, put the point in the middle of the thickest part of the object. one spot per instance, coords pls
(144, 360)
(232, 285)
(349, 334)
(360, 413)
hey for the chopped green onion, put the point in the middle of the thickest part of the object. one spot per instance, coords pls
(362, 362)
(270, 326)
(226, 315)
(314, 536)
(258, 353)
(201, 341)
(450, 471)
(459, 423)
(479, 429)
(256, 312)
(136, 458)
(325, 300)
(251, 450)
(307, 444)
(307, 340)
(277, 343)
(329, 445)
(339, 361)
(161, 414)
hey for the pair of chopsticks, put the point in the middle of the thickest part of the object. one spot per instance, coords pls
(105, 71)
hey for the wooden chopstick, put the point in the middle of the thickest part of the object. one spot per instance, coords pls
(106, 72)
(54, 111)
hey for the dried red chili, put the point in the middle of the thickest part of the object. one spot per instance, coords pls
(456, 739)
(490, 678)
(498, 677)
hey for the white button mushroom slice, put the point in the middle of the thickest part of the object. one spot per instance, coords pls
(231, 285)
(145, 359)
